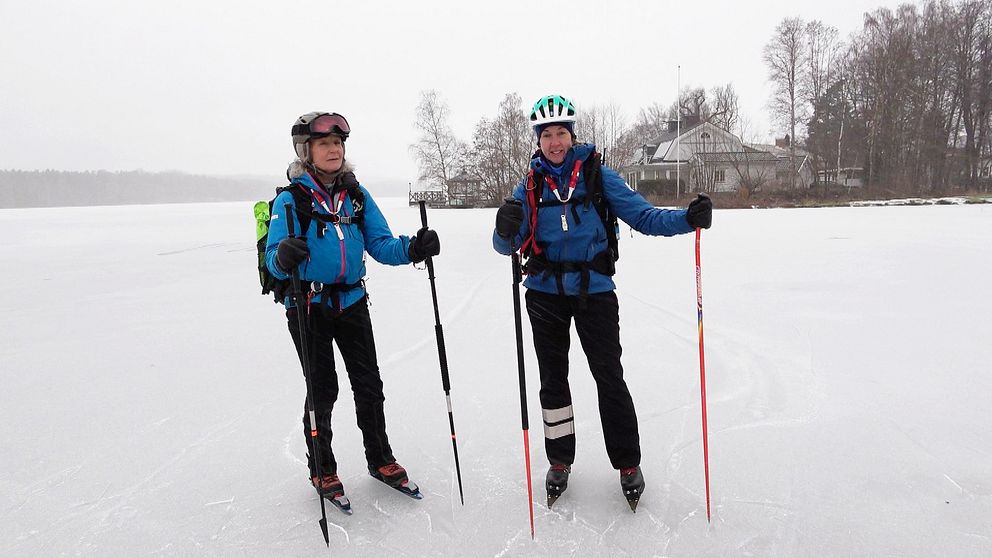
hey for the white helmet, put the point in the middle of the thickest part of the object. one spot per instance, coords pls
(552, 109)
(314, 125)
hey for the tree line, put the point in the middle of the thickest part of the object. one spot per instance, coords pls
(51, 188)
(907, 98)
(503, 144)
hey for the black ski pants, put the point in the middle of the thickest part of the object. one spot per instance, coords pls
(598, 326)
(352, 331)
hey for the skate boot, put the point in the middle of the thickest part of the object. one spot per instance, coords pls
(557, 481)
(394, 476)
(330, 488)
(632, 484)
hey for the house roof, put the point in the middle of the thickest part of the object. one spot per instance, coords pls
(777, 151)
(464, 176)
(753, 156)
(665, 140)
(669, 136)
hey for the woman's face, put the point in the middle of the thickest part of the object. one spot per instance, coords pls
(555, 141)
(327, 153)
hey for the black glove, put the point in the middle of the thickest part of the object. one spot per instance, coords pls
(291, 252)
(424, 245)
(509, 217)
(700, 214)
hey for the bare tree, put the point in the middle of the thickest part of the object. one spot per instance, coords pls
(972, 62)
(437, 150)
(750, 165)
(692, 103)
(786, 56)
(589, 124)
(726, 107)
(821, 74)
(502, 148)
(824, 49)
(651, 122)
(606, 127)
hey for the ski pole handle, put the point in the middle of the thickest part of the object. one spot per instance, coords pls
(290, 225)
(423, 222)
(294, 273)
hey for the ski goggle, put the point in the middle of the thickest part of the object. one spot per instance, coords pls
(325, 124)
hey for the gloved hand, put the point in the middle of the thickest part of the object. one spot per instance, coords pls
(291, 252)
(509, 217)
(700, 213)
(424, 245)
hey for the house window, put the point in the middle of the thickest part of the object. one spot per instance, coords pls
(719, 176)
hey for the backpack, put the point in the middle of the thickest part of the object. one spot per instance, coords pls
(280, 288)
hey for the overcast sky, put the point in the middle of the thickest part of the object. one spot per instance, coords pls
(213, 87)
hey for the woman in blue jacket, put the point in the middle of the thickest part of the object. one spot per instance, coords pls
(556, 220)
(344, 223)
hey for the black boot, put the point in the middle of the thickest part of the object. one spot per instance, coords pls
(557, 481)
(632, 484)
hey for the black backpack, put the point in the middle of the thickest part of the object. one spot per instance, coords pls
(305, 213)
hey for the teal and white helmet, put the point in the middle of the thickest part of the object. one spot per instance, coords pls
(552, 109)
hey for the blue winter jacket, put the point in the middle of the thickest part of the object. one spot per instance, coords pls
(332, 260)
(586, 238)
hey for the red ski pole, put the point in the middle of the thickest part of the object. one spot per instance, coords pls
(702, 373)
(517, 277)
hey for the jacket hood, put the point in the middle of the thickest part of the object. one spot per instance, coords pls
(298, 168)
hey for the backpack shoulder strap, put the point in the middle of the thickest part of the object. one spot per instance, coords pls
(529, 247)
(357, 202)
(592, 172)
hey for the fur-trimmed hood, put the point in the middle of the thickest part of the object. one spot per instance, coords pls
(298, 168)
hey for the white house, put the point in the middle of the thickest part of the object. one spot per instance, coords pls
(698, 155)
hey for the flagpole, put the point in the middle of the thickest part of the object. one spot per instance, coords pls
(678, 131)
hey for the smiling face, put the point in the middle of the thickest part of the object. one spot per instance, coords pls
(327, 153)
(555, 141)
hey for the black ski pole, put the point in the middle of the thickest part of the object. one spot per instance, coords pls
(305, 349)
(442, 357)
(517, 277)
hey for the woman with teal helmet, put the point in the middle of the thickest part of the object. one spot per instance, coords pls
(562, 218)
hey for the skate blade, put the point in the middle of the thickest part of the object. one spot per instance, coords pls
(410, 490)
(340, 501)
(632, 496)
(554, 492)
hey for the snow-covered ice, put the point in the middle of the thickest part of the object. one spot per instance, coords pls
(151, 400)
